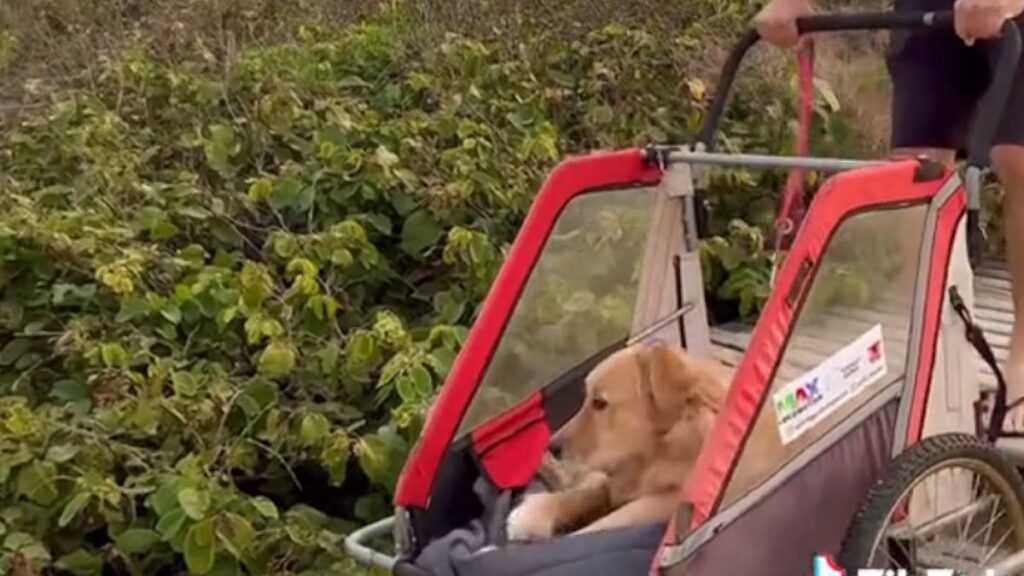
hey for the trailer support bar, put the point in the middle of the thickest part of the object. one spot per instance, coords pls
(356, 544)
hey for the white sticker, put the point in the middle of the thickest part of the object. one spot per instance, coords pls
(810, 398)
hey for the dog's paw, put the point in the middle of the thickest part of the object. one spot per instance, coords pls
(534, 519)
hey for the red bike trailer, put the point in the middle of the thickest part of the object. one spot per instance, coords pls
(608, 256)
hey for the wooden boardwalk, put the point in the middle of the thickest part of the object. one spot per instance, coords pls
(993, 312)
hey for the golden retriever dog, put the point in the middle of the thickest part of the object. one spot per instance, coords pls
(645, 417)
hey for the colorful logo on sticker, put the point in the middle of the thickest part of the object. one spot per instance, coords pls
(875, 352)
(797, 400)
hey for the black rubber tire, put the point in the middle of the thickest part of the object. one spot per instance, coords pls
(905, 471)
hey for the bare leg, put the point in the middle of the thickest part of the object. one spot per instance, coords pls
(1008, 162)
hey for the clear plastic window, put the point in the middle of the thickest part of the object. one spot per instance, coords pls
(849, 342)
(578, 299)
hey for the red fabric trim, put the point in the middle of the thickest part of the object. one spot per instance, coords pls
(844, 194)
(945, 230)
(511, 446)
(497, 429)
(572, 177)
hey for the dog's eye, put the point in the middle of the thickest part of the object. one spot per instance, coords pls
(599, 404)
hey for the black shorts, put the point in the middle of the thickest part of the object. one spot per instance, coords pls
(937, 82)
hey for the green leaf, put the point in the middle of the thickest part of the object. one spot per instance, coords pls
(170, 523)
(260, 189)
(165, 498)
(285, 245)
(360, 351)
(61, 453)
(26, 545)
(276, 360)
(14, 350)
(37, 482)
(406, 388)
(73, 507)
(286, 193)
(313, 429)
(342, 257)
(442, 360)
(262, 393)
(328, 357)
(419, 232)
(335, 455)
(81, 562)
(236, 533)
(423, 384)
(381, 456)
(136, 540)
(220, 147)
(449, 306)
(200, 549)
(379, 222)
(171, 312)
(113, 354)
(226, 566)
(185, 384)
(194, 502)
(265, 506)
(384, 157)
(164, 230)
(70, 391)
(132, 308)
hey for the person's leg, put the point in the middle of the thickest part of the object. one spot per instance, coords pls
(933, 93)
(1008, 163)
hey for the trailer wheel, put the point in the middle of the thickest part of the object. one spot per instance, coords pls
(907, 523)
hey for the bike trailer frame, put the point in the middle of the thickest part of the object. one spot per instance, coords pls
(908, 372)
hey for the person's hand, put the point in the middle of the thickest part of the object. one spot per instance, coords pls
(776, 22)
(982, 19)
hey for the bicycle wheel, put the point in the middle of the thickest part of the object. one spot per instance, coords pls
(936, 500)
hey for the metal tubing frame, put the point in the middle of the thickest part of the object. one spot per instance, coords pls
(936, 525)
(356, 548)
(683, 156)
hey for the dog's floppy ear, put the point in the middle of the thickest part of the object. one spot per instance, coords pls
(674, 381)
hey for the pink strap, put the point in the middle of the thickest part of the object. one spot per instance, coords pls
(791, 208)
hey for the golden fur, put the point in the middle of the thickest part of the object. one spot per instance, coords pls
(644, 420)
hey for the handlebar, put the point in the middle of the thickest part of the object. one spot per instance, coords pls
(992, 104)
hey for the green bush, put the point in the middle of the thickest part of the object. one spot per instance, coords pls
(228, 296)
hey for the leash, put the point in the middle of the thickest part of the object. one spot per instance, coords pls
(791, 205)
(976, 336)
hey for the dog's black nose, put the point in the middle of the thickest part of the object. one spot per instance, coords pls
(555, 448)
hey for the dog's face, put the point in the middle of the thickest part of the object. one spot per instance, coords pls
(633, 399)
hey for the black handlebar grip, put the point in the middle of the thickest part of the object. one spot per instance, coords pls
(874, 21)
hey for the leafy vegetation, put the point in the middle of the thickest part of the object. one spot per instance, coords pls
(229, 294)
